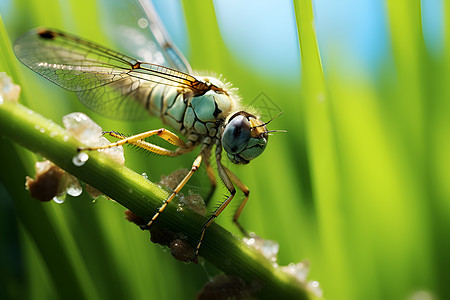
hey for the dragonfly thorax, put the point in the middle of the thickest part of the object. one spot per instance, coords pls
(244, 137)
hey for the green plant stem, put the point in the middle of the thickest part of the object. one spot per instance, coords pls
(143, 197)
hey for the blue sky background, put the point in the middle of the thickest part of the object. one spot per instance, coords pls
(263, 34)
(355, 30)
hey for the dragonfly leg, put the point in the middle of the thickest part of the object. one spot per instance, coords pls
(246, 192)
(194, 168)
(139, 140)
(229, 185)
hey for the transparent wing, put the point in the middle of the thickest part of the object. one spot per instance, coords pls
(106, 81)
(173, 56)
(141, 33)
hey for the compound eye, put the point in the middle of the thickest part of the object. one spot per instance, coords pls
(236, 135)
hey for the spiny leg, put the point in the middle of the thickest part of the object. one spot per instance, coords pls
(229, 185)
(194, 168)
(246, 192)
(139, 141)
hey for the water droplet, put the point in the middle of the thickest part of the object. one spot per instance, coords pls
(314, 287)
(60, 198)
(249, 241)
(145, 175)
(143, 23)
(80, 159)
(299, 270)
(74, 189)
(130, 191)
(268, 248)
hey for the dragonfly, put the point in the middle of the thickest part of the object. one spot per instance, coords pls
(202, 109)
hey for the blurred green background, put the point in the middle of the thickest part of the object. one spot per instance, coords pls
(359, 185)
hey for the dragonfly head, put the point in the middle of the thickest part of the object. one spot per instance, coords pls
(244, 137)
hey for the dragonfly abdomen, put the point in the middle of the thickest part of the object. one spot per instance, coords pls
(167, 103)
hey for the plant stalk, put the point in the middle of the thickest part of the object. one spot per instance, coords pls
(143, 197)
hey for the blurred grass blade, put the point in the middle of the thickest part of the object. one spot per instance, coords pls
(203, 30)
(321, 143)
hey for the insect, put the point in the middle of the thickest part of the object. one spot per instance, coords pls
(202, 109)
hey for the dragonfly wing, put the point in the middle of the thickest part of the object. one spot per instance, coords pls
(106, 81)
(70, 62)
(171, 53)
(141, 33)
(119, 100)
